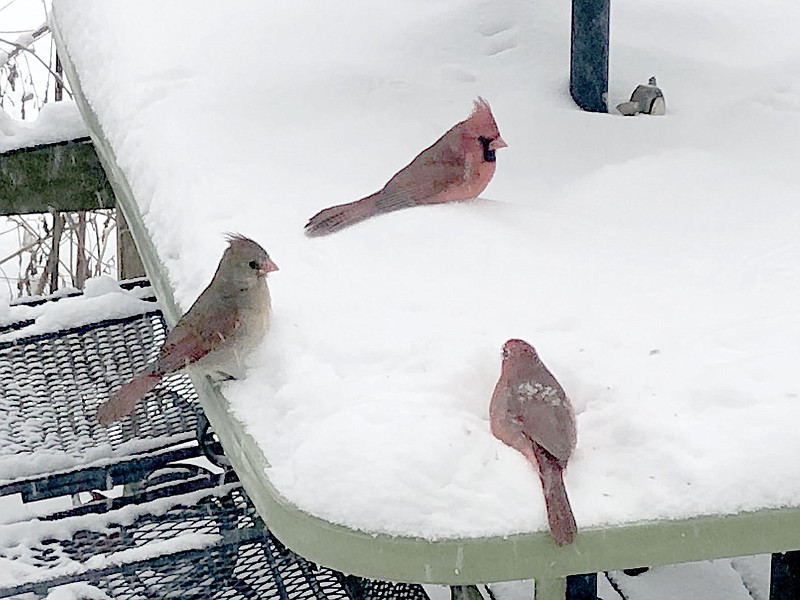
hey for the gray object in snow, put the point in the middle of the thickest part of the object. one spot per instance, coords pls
(647, 99)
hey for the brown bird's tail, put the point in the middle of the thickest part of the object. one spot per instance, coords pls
(127, 397)
(333, 219)
(559, 512)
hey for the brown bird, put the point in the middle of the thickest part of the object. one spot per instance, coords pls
(531, 413)
(225, 323)
(458, 166)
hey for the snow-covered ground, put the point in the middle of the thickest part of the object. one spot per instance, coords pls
(653, 261)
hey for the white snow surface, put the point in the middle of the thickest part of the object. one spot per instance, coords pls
(77, 591)
(56, 122)
(654, 262)
(706, 579)
(102, 299)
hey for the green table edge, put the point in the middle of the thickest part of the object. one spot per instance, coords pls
(451, 561)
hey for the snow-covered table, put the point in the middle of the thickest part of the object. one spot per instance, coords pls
(654, 263)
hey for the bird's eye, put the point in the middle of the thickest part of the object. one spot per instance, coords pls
(253, 265)
(488, 153)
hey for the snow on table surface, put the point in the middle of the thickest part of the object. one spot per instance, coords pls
(653, 261)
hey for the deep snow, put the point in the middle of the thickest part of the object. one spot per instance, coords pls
(56, 122)
(653, 261)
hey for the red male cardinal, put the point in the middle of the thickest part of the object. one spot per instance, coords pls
(531, 413)
(226, 321)
(458, 166)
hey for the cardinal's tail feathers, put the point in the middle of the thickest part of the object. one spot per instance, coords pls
(333, 219)
(559, 512)
(127, 397)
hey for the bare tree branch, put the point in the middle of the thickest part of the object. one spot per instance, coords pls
(26, 39)
(51, 267)
(21, 48)
(22, 250)
(81, 268)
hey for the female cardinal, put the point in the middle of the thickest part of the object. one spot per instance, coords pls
(531, 413)
(226, 321)
(458, 166)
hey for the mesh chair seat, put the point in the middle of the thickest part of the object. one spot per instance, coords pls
(207, 544)
(51, 384)
(180, 530)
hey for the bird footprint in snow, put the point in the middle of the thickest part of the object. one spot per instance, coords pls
(500, 34)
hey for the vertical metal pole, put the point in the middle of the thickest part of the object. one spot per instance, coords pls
(582, 587)
(588, 81)
(784, 581)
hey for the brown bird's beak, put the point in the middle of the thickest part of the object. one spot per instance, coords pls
(267, 267)
(497, 143)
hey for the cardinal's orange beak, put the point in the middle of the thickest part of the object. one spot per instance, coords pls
(497, 143)
(267, 267)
